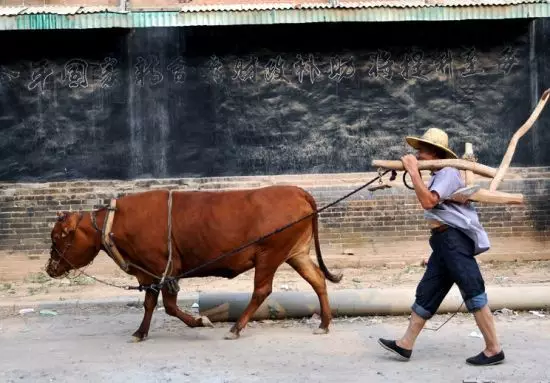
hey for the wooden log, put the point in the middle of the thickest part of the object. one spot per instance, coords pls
(494, 196)
(514, 141)
(463, 194)
(479, 169)
(469, 156)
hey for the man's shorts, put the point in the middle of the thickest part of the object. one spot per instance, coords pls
(452, 261)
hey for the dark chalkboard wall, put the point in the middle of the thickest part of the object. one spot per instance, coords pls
(223, 101)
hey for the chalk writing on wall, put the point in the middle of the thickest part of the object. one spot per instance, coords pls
(40, 73)
(275, 69)
(75, 73)
(177, 68)
(300, 68)
(508, 59)
(411, 65)
(8, 75)
(341, 68)
(306, 67)
(108, 72)
(147, 71)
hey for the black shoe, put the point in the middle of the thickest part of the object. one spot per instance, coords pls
(390, 345)
(483, 360)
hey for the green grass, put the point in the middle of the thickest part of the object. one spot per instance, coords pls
(39, 277)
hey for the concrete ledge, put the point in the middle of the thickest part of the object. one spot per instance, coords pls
(220, 307)
(298, 304)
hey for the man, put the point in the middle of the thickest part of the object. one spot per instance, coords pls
(456, 238)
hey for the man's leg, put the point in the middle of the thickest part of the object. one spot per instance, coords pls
(466, 274)
(486, 323)
(430, 292)
(416, 324)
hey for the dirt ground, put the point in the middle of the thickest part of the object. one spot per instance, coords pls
(93, 343)
(88, 345)
(36, 286)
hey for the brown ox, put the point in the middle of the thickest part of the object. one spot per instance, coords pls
(204, 225)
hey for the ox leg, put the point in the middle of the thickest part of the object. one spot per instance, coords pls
(263, 284)
(151, 299)
(170, 302)
(314, 276)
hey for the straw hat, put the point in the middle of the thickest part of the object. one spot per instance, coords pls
(434, 137)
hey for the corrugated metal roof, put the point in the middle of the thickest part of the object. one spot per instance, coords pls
(196, 7)
(247, 6)
(98, 9)
(24, 18)
(58, 10)
(11, 11)
(348, 3)
(216, 5)
(55, 10)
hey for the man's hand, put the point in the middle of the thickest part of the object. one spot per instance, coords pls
(410, 163)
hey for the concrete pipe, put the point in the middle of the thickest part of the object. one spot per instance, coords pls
(220, 307)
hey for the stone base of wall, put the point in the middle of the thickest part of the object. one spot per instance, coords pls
(367, 228)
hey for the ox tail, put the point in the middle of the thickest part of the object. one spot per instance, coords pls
(315, 226)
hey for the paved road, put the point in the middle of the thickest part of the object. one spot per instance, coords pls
(93, 345)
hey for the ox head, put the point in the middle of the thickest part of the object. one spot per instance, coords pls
(73, 246)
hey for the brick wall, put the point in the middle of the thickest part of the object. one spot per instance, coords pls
(367, 228)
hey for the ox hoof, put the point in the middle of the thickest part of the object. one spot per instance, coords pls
(231, 336)
(320, 331)
(138, 337)
(205, 322)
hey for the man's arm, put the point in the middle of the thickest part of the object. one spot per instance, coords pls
(428, 199)
(444, 184)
